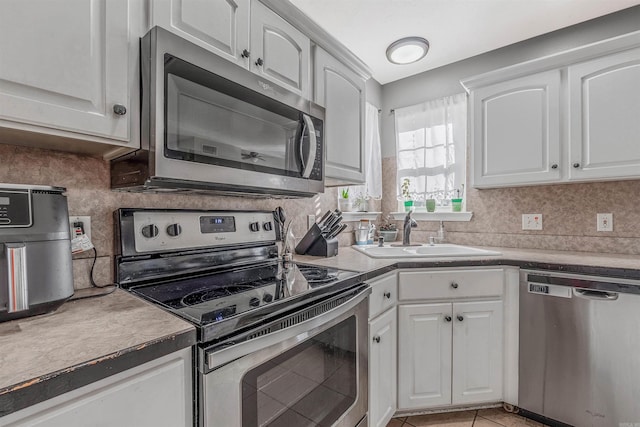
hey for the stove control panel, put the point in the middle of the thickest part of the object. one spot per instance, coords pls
(157, 231)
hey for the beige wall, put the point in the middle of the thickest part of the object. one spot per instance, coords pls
(87, 181)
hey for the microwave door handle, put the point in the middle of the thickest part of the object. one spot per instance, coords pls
(307, 165)
(16, 258)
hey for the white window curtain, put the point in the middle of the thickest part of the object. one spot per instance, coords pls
(372, 188)
(430, 148)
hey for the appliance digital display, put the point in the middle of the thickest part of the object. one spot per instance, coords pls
(217, 224)
(4, 201)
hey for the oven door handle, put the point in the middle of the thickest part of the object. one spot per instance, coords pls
(302, 331)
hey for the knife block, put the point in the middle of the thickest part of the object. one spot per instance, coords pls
(324, 247)
(314, 243)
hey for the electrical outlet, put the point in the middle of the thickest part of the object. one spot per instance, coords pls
(532, 221)
(605, 222)
(311, 219)
(86, 225)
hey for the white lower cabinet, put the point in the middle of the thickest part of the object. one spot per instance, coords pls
(383, 349)
(451, 337)
(382, 368)
(157, 393)
(449, 354)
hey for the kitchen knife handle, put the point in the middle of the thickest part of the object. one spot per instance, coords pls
(16, 256)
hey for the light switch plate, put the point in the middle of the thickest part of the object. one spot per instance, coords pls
(532, 221)
(605, 222)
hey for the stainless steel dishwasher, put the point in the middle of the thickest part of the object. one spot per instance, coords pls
(579, 349)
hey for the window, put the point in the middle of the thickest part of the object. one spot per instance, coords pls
(430, 149)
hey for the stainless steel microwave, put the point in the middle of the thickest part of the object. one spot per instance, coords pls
(208, 125)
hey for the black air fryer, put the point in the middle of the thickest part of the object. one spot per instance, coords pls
(36, 275)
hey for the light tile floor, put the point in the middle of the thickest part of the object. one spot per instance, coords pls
(481, 418)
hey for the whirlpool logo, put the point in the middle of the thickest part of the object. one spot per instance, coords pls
(265, 86)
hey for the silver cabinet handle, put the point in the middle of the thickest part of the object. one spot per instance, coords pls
(307, 165)
(554, 166)
(376, 339)
(576, 165)
(387, 295)
(16, 257)
(119, 109)
(460, 318)
(259, 62)
(245, 53)
(447, 318)
(454, 285)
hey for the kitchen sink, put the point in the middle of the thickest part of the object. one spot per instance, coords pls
(422, 251)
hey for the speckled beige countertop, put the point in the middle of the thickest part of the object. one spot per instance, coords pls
(89, 338)
(627, 266)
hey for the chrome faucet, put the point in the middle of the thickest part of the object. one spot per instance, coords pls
(439, 238)
(409, 223)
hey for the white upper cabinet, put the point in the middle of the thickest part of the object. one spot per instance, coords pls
(221, 26)
(65, 68)
(568, 117)
(342, 92)
(245, 32)
(605, 117)
(516, 131)
(279, 52)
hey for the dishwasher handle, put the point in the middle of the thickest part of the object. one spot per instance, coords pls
(595, 295)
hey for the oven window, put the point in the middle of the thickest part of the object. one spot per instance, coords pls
(312, 384)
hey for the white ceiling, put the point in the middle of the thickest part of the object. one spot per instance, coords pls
(456, 29)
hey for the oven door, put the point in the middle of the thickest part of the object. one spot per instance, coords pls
(311, 374)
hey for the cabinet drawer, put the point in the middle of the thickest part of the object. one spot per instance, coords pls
(384, 294)
(415, 285)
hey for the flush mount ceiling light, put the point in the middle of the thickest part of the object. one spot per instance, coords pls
(407, 50)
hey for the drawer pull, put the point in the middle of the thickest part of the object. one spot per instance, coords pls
(460, 318)
(387, 295)
(376, 339)
(447, 318)
(454, 285)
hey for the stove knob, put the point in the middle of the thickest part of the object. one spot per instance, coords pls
(267, 298)
(267, 226)
(174, 230)
(254, 226)
(150, 231)
(254, 302)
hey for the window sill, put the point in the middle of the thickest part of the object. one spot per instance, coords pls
(357, 216)
(435, 216)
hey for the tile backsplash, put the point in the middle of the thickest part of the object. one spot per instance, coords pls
(568, 212)
(86, 179)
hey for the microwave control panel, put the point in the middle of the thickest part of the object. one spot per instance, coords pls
(15, 208)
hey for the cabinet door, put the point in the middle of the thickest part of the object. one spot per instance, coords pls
(279, 52)
(71, 78)
(604, 111)
(516, 131)
(157, 393)
(424, 355)
(477, 352)
(221, 26)
(342, 93)
(382, 368)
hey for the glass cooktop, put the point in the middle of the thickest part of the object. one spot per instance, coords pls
(216, 297)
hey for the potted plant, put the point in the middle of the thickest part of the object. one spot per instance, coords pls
(388, 230)
(344, 203)
(406, 194)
